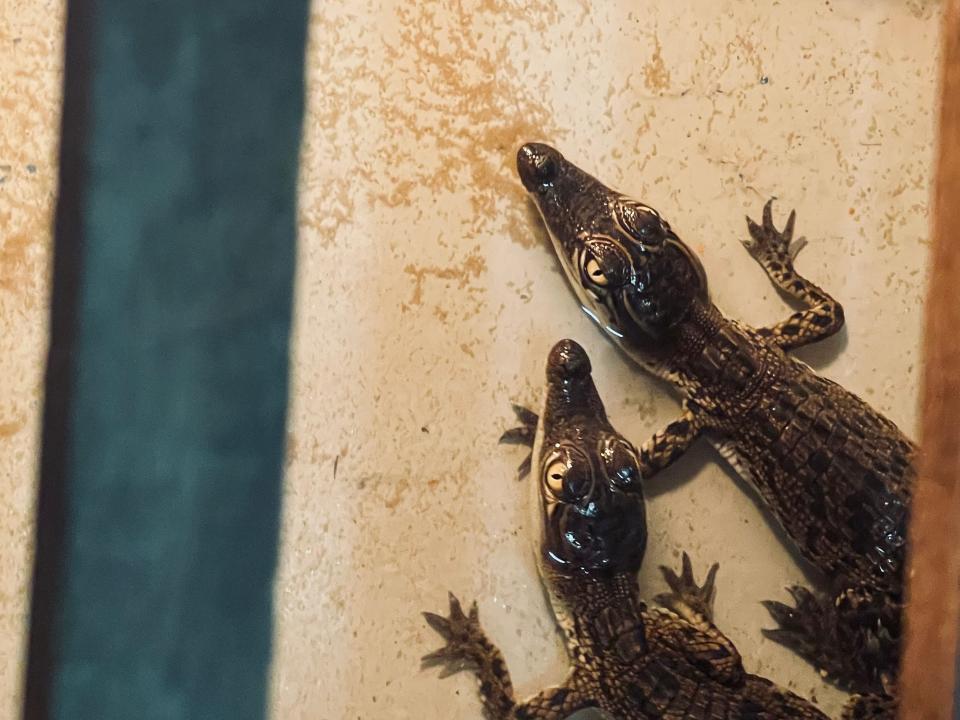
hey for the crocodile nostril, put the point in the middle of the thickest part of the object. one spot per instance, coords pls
(568, 360)
(537, 165)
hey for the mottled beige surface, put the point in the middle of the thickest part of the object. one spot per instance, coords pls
(30, 59)
(427, 299)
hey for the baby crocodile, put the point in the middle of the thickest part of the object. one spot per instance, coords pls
(835, 473)
(631, 661)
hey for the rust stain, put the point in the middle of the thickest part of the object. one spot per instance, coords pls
(400, 488)
(472, 267)
(311, 453)
(441, 314)
(471, 92)
(655, 74)
(751, 54)
(9, 429)
(336, 209)
(526, 228)
(437, 109)
(18, 271)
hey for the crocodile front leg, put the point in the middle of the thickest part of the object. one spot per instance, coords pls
(469, 648)
(698, 638)
(524, 435)
(654, 455)
(775, 252)
(666, 446)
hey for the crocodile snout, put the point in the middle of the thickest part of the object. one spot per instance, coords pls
(568, 361)
(537, 165)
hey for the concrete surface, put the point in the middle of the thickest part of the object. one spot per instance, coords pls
(31, 49)
(427, 298)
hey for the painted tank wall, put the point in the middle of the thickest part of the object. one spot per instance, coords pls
(427, 298)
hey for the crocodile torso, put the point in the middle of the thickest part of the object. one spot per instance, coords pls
(835, 473)
(632, 661)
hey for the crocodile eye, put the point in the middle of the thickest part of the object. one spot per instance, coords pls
(640, 221)
(556, 472)
(621, 464)
(568, 477)
(604, 264)
(626, 476)
(578, 483)
(595, 273)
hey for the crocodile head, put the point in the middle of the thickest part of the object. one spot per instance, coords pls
(633, 275)
(587, 476)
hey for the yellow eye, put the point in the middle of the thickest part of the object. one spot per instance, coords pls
(556, 471)
(595, 273)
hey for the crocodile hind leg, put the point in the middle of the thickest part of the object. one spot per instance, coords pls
(853, 640)
(871, 707)
(469, 648)
(699, 639)
(776, 251)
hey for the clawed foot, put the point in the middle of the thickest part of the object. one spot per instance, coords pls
(464, 638)
(769, 245)
(523, 435)
(804, 628)
(686, 594)
(853, 640)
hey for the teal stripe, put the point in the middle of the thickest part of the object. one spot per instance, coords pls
(174, 428)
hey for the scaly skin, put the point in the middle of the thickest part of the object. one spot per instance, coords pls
(628, 660)
(835, 473)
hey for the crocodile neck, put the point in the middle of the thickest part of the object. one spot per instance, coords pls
(599, 615)
(718, 362)
(699, 327)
